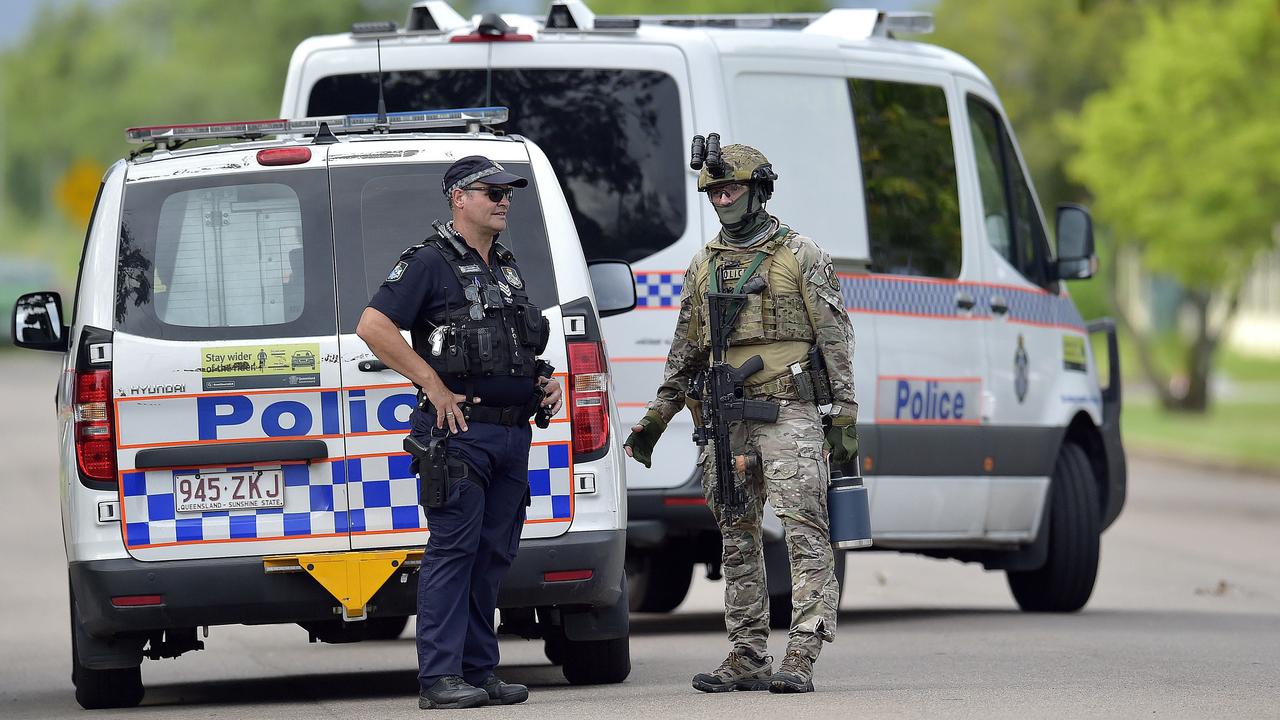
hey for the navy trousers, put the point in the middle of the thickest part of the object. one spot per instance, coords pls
(474, 538)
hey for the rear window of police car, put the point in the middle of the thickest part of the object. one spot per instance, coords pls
(251, 255)
(612, 136)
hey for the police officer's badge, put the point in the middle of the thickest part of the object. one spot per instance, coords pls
(512, 277)
(397, 272)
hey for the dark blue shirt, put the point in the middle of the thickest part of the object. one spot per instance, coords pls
(422, 285)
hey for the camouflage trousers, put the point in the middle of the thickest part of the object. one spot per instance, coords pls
(792, 475)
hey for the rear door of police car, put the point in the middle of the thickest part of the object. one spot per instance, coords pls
(224, 369)
(385, 195)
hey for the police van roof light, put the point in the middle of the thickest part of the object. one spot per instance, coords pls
(410, 120)
(377, 27)
(905, 23)
(433, 16)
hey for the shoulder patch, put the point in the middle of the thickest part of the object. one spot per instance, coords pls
(397, 272)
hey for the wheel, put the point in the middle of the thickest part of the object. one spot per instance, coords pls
(780, 602)
(658, 580)
(597, 662)
(385, 628)
(101, 689)
(553, 646)
(1065, 582)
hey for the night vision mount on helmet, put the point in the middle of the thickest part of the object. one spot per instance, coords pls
(735, 163)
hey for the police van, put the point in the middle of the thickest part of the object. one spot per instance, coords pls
(232, 451)
(985, 433)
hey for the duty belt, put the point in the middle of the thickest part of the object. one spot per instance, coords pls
(781, 386)
(508, 415)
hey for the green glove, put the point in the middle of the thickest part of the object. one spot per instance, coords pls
(642, 441)
(842, 440)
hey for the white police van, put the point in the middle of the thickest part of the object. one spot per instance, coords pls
(231, 450)
(984, 433)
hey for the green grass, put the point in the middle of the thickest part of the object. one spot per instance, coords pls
(1232, 433)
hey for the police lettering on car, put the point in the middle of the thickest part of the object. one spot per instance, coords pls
(474, 359)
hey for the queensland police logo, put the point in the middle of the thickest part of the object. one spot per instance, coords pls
(512, 277)
(397, 272)
(1020, 367)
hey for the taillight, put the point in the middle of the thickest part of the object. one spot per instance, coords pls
(491, 37)
(284, 156)
(94, 429)
(588, 397)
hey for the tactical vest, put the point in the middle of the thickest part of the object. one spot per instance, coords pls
(497, 331)
(775, 314)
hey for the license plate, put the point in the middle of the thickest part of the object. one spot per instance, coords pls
(226, 490)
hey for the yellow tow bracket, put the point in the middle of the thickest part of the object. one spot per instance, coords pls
(350, 577)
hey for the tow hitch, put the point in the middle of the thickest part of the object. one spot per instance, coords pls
(350, 577)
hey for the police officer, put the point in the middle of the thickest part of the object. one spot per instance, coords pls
(476, 337)
(800, 307)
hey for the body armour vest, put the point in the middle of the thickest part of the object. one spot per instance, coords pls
(777, 313)
(497, 331)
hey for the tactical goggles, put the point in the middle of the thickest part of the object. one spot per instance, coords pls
(727, 190)
(493, 192)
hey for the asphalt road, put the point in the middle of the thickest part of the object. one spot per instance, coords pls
(1184, 622)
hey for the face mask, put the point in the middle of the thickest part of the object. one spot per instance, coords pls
(732, 215)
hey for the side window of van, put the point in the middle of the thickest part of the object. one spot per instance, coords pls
(612, 136)
(244, 258)
(909, 177)
(1012, 223)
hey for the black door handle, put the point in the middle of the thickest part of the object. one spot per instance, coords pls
(999, 305)
(372, 366)
(965, 301)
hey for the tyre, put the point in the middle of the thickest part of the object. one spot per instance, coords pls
(553, 646)
(1065, 582)
(780, 602)
(597, 662)
(385, 628)
(658, 581)
(102, 689)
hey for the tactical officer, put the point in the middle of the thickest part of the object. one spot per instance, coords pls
(476, 337)
(799, 307)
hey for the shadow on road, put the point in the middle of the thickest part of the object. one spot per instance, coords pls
(658, 624)
(370, 685)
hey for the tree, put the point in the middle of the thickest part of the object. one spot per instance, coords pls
(82, 74)
(1182, 155)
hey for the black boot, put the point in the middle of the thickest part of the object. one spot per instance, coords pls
(451, 692)
(501, 693)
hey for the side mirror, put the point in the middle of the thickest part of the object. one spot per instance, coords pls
(37, 322)
(1076, 257)
(615, 286)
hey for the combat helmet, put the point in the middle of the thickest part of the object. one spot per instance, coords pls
(734, 163)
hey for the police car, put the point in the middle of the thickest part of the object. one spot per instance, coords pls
(231, 450)
(985, 434)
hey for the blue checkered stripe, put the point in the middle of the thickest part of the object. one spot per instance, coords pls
(372, 494)
(658, 289)
(881, 294)
(151, 519)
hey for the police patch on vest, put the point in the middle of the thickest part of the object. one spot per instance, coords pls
(512, 277)
(397, 272)
(731, 274)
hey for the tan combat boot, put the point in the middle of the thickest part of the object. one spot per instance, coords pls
(795, 675)
(742, 670)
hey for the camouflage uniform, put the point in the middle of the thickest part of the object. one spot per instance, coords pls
(801, 306)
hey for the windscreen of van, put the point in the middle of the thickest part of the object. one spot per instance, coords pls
(247, 255)
(379, 210)
(613, 137)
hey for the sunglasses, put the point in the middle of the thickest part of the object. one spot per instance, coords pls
(495, 194)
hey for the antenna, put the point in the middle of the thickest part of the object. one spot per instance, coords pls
(382, 103)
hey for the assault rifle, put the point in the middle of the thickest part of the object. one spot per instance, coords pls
(719, 389)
